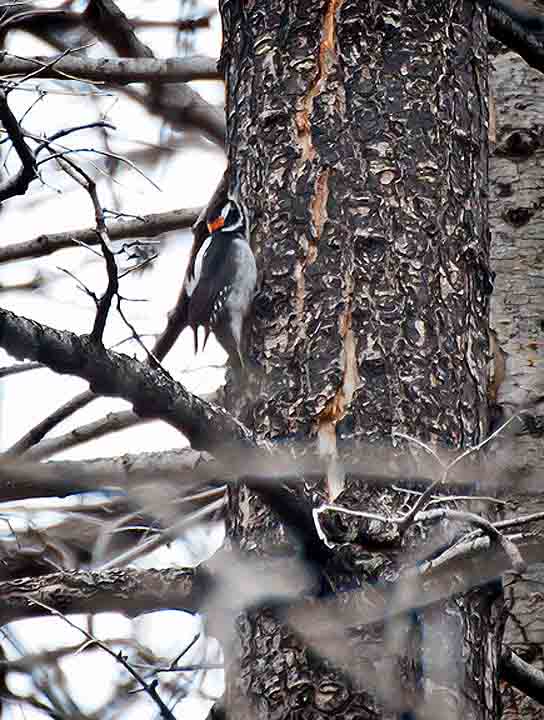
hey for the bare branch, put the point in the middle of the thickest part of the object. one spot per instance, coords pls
(112, 288)
(522, 675)
(18, 184)
(424, 499)
(152, 391)
(150, 688)
(20, 480)
(70, 151)
(520, 31)
(111, 24)
(29, 661)
(103, 305)
(127, 590)
(29, 19)
(112, 422)
(41, 429)
(178, 24)
(181, 105)
(144, 226)
(323, 625)
(19, 368)
(114, 70)
(159, 350)
(171, 533)
(428, 516)
(519, 520)
(482, 524)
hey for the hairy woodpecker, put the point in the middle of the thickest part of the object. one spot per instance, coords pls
(219, 284)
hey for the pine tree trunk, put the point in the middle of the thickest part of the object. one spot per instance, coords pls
(357, 136)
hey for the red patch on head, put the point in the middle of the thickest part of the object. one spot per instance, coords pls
(216, 224)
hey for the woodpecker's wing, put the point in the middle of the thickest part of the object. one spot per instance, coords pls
(213, 284)
(198, 249)
(178, 317)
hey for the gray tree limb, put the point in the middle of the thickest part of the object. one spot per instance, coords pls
(522, 675)
(20, 480)
(110, 423)
(114, 70)
(152, 391)
(144, 226)
(134, 591)
(125, 590)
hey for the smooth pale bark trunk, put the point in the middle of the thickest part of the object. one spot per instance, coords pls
(357, 137)
(517, 316)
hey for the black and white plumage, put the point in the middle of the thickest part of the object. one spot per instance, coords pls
(219, 285)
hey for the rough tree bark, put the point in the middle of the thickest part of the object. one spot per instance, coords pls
(357, 135)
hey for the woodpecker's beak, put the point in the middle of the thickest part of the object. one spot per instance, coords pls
(216, 224)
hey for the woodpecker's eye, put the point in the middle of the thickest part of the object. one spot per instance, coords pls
(216, 224)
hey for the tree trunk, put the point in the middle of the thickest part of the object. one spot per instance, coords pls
(357, 137)
(517, 316)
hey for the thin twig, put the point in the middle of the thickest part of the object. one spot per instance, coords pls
(112, 288)
(510, 550)
(149, 688)
(150, 226)
(110, 423)
(191, 668)
(45, 64)
(103, 305)
(422, 445)
(34, 435)
(423, 500)
(19, 368)
(184, 652)
(71, 151)
(490, 529)
(18, 184)
(69, 131)
(166, 537)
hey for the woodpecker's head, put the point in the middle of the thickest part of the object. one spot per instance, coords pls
(231, 219)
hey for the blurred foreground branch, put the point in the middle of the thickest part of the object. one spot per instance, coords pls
(522, 675)
(125, 590)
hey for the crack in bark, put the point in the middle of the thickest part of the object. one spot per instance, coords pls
(318, 211)
(335, 409)
(299, 297)
(326, 59)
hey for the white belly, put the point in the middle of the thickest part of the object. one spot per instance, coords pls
(241, 295)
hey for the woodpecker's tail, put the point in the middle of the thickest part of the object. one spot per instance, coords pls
(178, 319)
